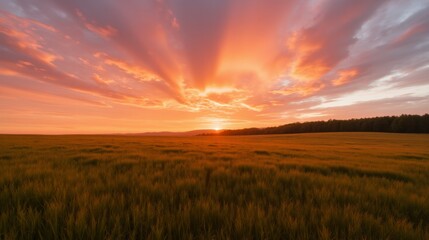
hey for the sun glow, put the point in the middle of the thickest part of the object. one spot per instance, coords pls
(217, 127)
(216, 124)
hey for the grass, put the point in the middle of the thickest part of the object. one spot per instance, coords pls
(302, 186)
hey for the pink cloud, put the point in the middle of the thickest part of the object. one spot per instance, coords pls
(344, 76)
(258, 62)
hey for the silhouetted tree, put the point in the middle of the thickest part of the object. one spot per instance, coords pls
(398, 124)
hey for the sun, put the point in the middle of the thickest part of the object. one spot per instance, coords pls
(216, 124)
(216, 127)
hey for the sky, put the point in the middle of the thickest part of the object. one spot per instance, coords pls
(106, 66)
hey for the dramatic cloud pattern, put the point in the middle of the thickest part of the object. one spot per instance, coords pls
(78, 66)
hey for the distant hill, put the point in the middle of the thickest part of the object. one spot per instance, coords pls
(178, 134)
(394, 124)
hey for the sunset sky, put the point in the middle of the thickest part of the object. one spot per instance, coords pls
(106, 66)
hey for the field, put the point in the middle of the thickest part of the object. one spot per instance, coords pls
(299, 186)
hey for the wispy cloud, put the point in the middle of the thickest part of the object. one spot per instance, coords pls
(258, 62)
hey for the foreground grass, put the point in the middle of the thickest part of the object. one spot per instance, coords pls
(304, 186)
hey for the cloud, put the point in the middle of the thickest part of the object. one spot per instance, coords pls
(344, 76)
(23, 54)
(320, 47)
(257, 61)
(134, 71)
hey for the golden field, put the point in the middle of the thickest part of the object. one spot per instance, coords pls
(298, 186)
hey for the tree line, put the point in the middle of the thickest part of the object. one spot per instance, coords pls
(394, 124)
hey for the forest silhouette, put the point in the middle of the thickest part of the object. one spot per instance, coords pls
(394, 124)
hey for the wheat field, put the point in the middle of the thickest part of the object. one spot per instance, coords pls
(299, 186)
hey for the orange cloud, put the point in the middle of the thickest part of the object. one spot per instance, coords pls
(309, 71)
(321, 46)
(304, 67)
(302, 89)
(135, 71)
(105, 31)
(21, 30)
(97, 78)
(344, 76)
(8, 72)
